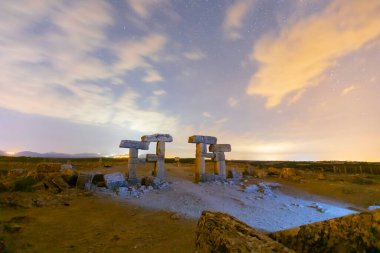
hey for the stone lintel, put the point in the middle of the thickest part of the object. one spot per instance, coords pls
(208, 155)
(144, 145)
(153, 157)
(220, 148)
(157, 137)
(202, 139)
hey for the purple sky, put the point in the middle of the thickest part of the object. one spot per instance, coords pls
(284, 79)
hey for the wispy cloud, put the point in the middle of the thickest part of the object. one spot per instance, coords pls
(152, 76)
(194, 55)
(206, 115)
(349, 89)
(235, 15)
(233, 102)
(53, 68)
(297, 57)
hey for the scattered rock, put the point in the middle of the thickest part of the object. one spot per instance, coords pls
(274, 171)
(60, 183)
(318, 207)
(251, 188)
(66, 167)
(235, 175)
(114, 180)
(374, 207)
(84, 181)
(16, 172)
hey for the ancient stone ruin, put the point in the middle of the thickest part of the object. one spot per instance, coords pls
(159, 157)
(217, 156)
(220, 232)
(133, 159)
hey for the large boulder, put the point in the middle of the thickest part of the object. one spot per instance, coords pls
(114, 180)
(220, 232)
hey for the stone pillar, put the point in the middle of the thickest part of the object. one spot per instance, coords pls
(133, 159)
(200, 163)
(219, 158)
(200, 153)
(159, 157)
(133, 163)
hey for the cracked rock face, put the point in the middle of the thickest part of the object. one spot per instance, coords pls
(220, 232)
(351, 233)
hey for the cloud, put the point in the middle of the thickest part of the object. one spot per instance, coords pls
(194, 55)
(349, 89)
(235, 15)
(152, 76)
(50, 65)
(159, 92)
(206, 115)
(298, 56)
(135, 54)
(233, 102)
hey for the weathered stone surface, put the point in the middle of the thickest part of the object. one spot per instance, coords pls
(351, 233)
(60, 183)
(208, 155)
(220, 148)
(84, 181)
(157, 137)
(202, 139)
(151, 157)
(114, 180)
(220, 232)
(133, 160)
(219, 156)
(144, 145)
(160, 148)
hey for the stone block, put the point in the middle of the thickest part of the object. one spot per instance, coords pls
(351, 233)
(114, 180)
(144, 145)
(208, 155)
(220, 148)
(219, 156)
(84, 181)
(157, 137)
(202, 139)
(220, 232)
(151, 157)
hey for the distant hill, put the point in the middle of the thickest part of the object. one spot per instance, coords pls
(56, 155)
(2, 153)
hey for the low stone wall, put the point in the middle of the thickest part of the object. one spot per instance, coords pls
(351, 233)
(220, 232)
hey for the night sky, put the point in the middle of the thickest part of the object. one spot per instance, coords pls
(278, 80)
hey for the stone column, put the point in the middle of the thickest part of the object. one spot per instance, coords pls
(200, 163)
(159, 157)
(133, 159)
(219, 157)
(200, 153)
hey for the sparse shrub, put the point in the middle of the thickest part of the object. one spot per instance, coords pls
(362, 181)
(274, 171)
(25, 184)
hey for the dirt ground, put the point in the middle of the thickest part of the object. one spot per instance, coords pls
(165, 220)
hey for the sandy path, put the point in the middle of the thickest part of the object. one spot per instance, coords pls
(267, 212)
